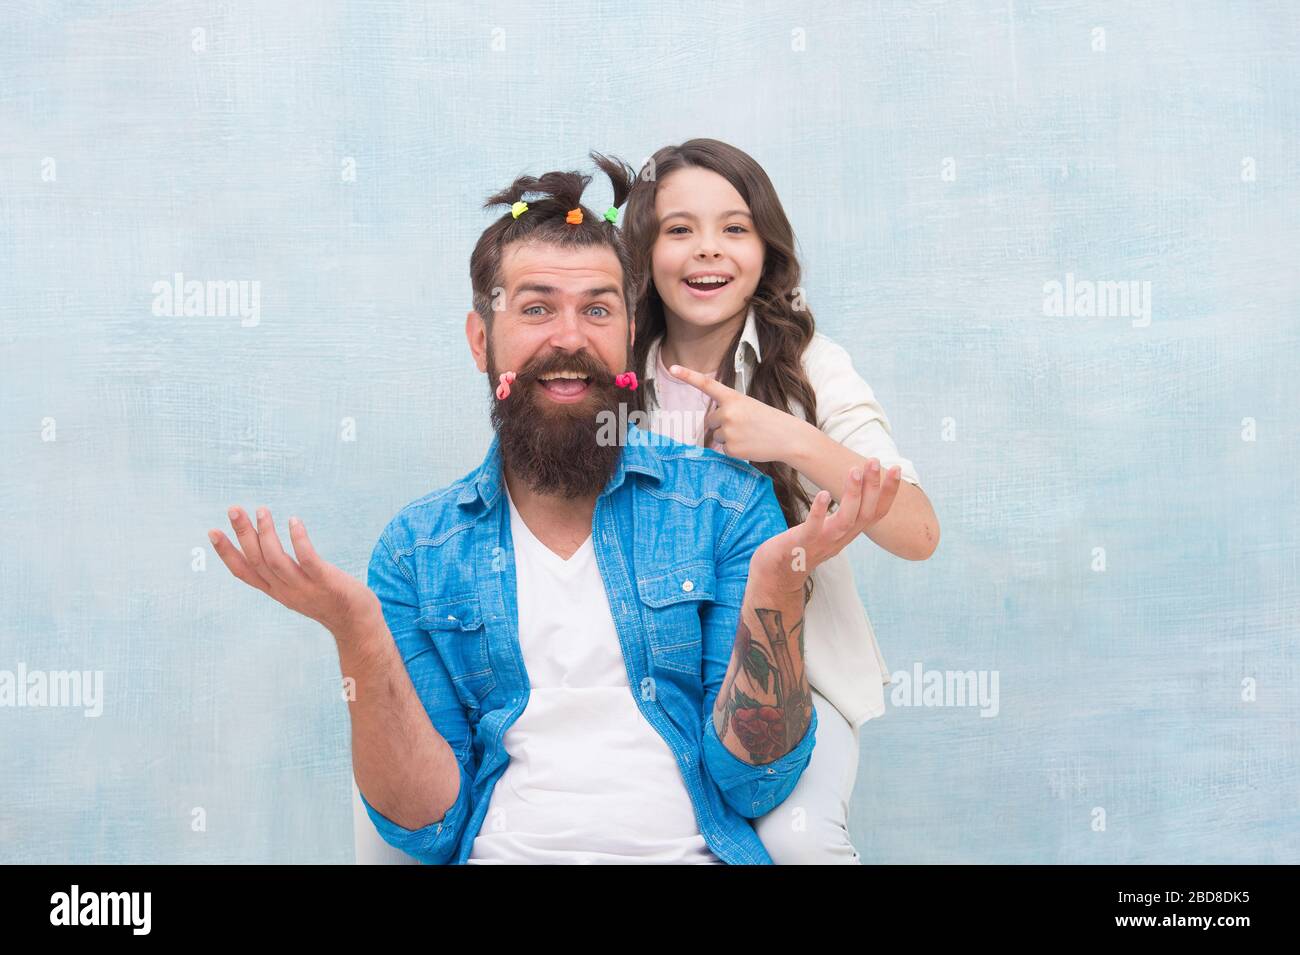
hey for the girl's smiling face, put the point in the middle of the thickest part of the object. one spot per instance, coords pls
(707, 257)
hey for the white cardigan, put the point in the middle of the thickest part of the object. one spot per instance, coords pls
(843, 660)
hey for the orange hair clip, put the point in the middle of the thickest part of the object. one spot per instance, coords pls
(574, 217)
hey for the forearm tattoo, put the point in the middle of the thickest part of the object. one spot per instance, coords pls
(765, 704)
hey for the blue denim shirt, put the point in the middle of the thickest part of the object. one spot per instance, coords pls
(673, 532)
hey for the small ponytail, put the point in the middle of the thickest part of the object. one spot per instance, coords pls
(565, 188)
(621, 176)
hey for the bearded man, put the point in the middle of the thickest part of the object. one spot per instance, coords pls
(584, 650)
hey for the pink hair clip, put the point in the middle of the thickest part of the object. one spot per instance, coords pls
(626, 380)
(503, 389)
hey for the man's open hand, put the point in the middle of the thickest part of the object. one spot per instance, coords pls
(310, 586)
(785, 561)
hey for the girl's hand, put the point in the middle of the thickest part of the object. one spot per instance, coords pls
(309, 586)
(749, 428)
(784, 562)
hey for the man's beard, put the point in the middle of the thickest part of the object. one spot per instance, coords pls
(553, 446)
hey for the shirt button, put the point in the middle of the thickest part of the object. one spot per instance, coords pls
(771, 771)
(450, 617)
(688, 586)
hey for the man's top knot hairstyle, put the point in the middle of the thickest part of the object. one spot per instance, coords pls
(563, 191)
(550, 198)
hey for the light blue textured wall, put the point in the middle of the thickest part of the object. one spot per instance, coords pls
(941, 163)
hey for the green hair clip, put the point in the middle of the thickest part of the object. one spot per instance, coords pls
(611, 213)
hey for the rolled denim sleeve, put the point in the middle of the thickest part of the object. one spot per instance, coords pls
(393, 584)
(427, 844)
(751, 790)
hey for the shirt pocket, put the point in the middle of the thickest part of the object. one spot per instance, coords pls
(673, 602)
(460, 636)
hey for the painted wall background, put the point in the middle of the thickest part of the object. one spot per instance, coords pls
(941, 164)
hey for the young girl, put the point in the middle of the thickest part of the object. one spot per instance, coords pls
(721, 299)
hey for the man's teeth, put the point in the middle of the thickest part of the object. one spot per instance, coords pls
(709, 280)
(563, 374)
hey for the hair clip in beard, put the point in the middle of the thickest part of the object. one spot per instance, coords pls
(626, 380)
(503, 388)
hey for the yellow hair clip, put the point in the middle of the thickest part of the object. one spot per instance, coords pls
(518, 209)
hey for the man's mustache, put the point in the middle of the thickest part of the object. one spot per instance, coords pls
(579, 362)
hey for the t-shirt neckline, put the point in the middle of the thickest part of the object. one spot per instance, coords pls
(564, 563)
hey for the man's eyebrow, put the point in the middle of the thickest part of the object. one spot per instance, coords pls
(690, 215)
(552, 290)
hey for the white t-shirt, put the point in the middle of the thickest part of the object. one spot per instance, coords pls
(589, 779)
